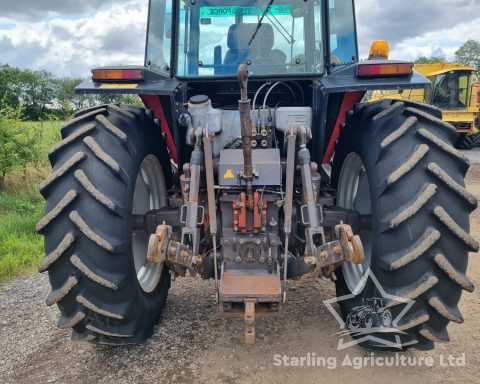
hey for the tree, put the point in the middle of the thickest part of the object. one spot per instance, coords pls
(109, 98)
(37, 93)
(9, 86)
(469, 54)
(429, 60)
(34, 90)
(43, 96)
(18, 146)
(66, 98)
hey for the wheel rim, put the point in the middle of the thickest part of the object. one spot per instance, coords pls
(354, 193)
(149, 194)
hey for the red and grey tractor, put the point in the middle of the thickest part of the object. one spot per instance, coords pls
(255, 161)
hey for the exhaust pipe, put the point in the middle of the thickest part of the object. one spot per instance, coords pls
(244, 108)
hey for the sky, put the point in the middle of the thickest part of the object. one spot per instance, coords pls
(69, 38)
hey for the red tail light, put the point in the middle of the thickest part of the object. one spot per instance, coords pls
(385, 69)
(111, 74)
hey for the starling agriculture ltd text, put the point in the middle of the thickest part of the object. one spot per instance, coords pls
(359, 362)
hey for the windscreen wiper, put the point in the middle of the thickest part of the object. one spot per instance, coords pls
(278, 26)
(260, 21)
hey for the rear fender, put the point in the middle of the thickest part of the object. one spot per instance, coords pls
(154, 90)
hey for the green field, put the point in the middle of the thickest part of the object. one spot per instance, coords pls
(21, 206)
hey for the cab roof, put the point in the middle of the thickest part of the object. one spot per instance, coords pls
(440, 68)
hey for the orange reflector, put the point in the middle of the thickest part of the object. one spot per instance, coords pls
(105, 74)
(380, 49)
(385, 69)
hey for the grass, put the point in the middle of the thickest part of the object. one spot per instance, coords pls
(22, 206)
(21, 249)
(49, 135)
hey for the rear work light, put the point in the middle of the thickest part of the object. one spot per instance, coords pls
(385, 69)
(106, 74)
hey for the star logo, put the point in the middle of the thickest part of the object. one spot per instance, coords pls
(367, 321)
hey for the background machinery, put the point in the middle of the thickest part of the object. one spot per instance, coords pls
(456, 91)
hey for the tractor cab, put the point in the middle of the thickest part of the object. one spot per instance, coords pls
(452, 89)
(213, 37)
(455, 90)
(374, 303)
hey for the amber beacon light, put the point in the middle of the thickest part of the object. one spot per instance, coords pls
(380, 49)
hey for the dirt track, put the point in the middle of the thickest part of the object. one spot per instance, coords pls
(192, 344)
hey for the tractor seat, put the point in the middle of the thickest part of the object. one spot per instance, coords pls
(260, 52)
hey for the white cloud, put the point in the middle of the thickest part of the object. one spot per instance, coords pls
(448, 40)
(31, 10)
(418, 28)
(73, 46)
(70, 38)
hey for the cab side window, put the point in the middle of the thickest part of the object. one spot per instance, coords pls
(160, 36)
(343, 41)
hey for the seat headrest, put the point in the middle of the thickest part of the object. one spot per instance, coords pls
(239, 36)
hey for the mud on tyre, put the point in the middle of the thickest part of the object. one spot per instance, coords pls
(108, 155)
(410, 178)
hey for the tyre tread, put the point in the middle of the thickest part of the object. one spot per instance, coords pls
(422, 190)
(87, 259)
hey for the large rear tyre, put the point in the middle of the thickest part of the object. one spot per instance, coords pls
(467, 142)
(111, 163)
(395, 160)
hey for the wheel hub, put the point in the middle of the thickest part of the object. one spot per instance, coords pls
(354, 193)
(149, 194)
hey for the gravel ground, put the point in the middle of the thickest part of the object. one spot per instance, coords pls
(193, 344)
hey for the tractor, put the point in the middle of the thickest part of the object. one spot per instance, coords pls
(254, 161)
(372, 313)
(456, 91)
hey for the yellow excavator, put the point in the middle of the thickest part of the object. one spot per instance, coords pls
(456, 91)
